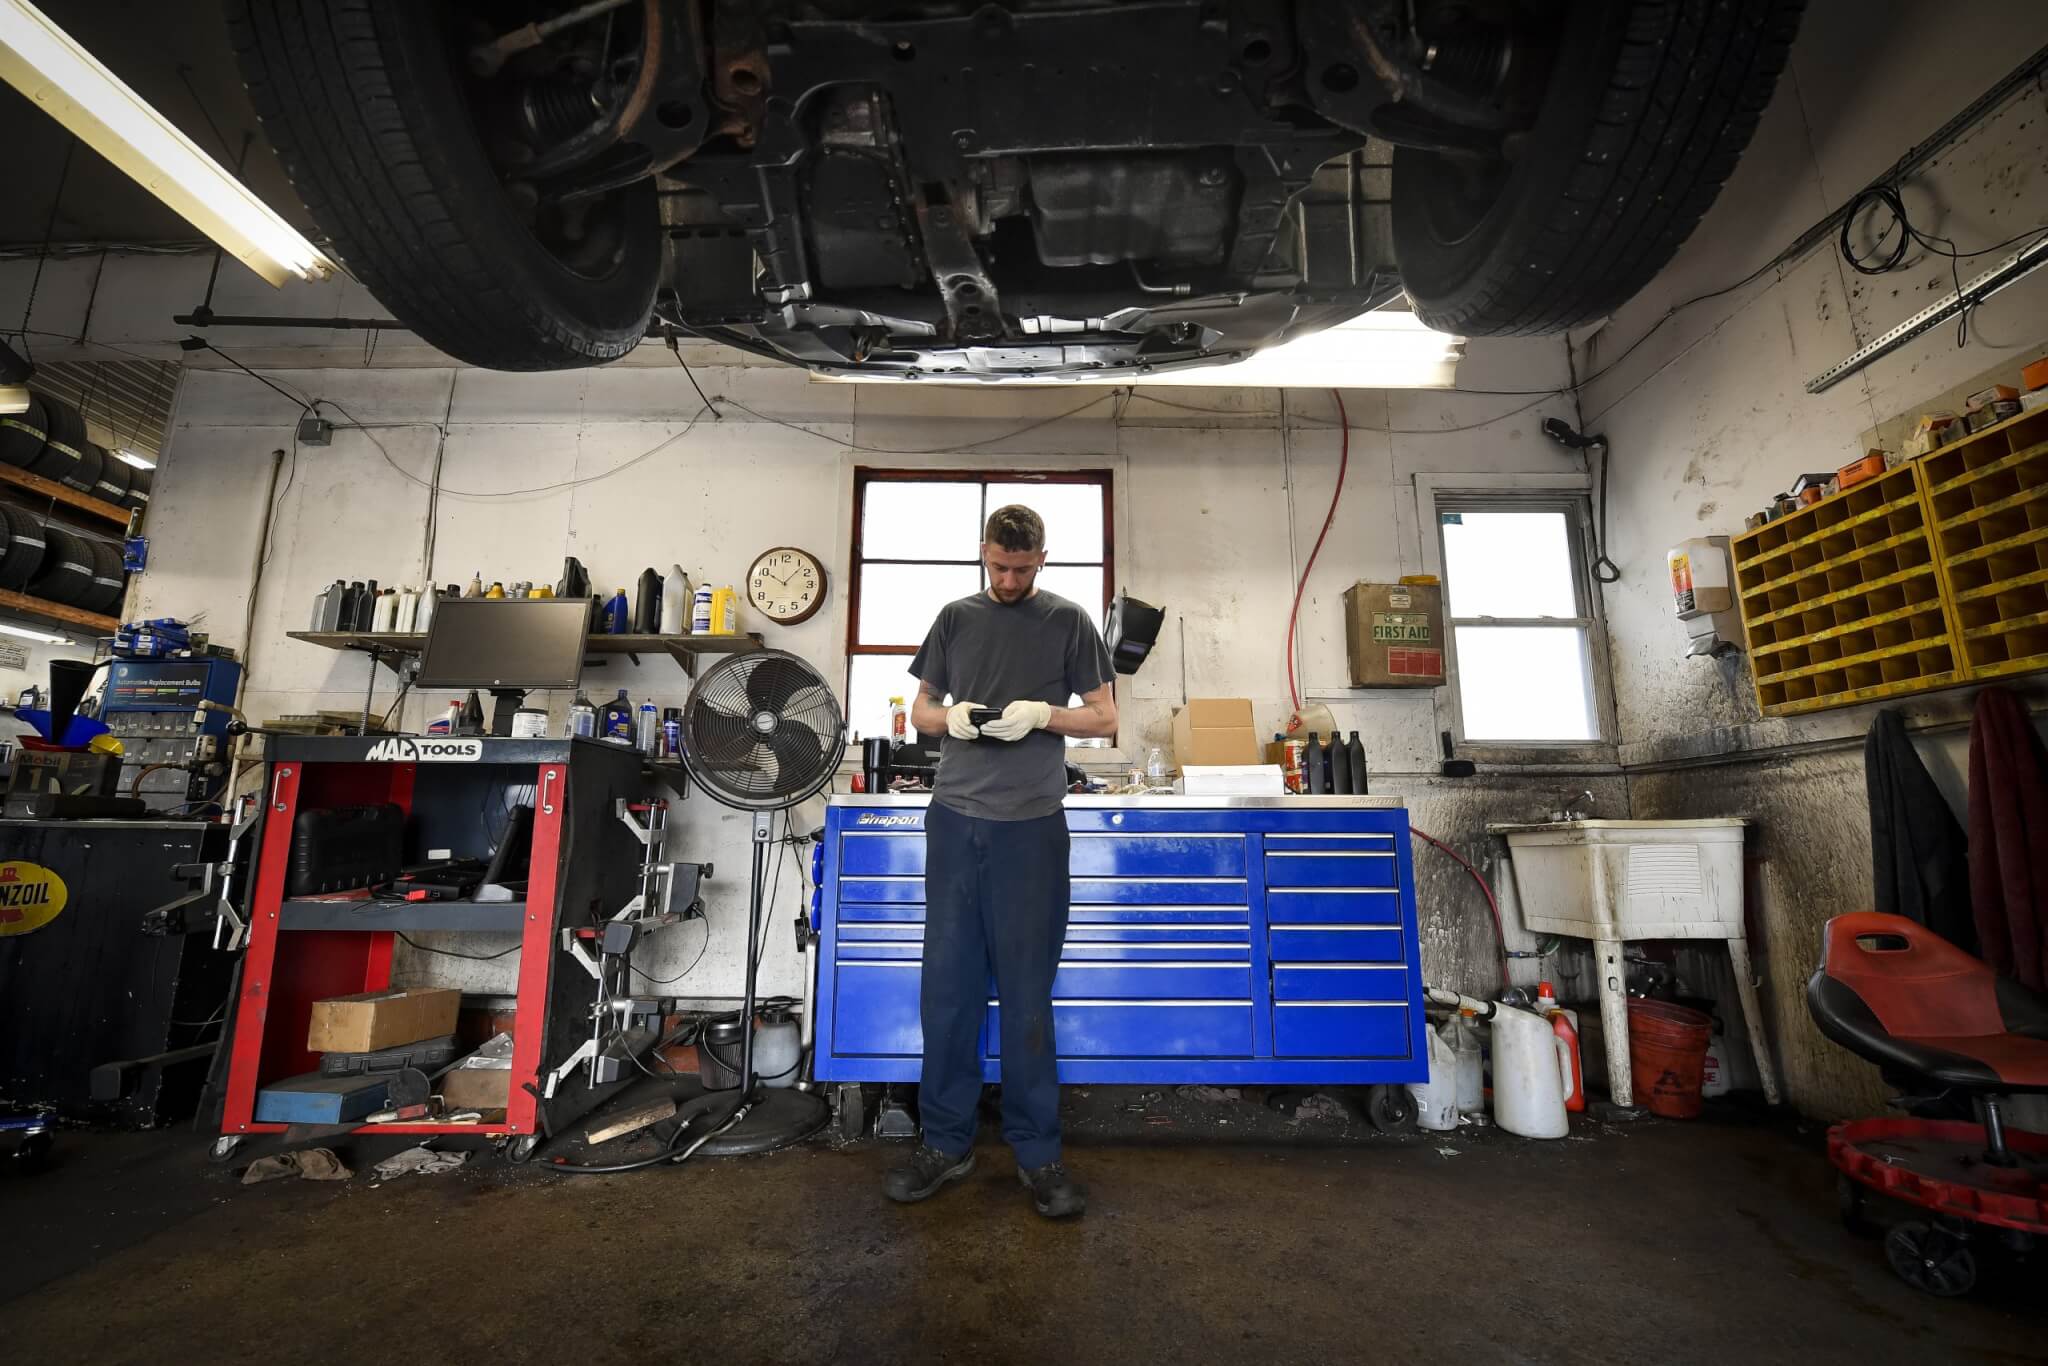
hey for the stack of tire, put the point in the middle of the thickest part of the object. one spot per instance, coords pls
(47, 559)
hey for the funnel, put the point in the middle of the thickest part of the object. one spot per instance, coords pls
(68, 681)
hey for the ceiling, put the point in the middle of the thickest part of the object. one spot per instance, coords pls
(173, 53)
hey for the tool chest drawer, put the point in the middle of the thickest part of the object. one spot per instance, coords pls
(1340, 1031)
(1330, 868)
(1333, 906)
(1236, 941)
(1093, 854)
(1136, 1029)
(1340, 982)
(1334, 944)
(1138, 981)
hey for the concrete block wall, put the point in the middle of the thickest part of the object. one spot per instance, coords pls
(1709, 418)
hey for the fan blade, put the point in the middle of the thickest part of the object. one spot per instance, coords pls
(798, 754)
(772, 682)
(721, 739)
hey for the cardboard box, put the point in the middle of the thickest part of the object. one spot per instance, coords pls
(382, 1019)
(477, 1088)
(1394, 634)
(1215, 730)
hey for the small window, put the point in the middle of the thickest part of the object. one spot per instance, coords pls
(917, 547)
(1523, 634)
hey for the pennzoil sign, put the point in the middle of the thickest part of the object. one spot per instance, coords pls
(30, 896)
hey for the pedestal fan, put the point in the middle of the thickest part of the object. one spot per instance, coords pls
(761, 733)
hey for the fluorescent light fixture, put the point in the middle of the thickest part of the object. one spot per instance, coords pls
(44, 636)
(140, 462)
(42, 62)
(1370, 351)
(13, 399)
(1383, 350)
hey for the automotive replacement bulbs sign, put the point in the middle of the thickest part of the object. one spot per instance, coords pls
(31, 896)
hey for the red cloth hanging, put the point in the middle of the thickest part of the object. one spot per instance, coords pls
(2009, 839)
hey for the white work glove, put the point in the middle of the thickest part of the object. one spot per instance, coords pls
(1018, 720)
(957, 724)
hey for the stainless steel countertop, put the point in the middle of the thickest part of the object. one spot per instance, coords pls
(1159, 801)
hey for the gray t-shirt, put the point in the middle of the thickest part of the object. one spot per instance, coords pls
(1043, 649)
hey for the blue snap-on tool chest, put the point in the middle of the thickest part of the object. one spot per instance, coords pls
(1224, 940)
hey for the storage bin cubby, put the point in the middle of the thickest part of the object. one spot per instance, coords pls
(1842, 600)
(1988, 495)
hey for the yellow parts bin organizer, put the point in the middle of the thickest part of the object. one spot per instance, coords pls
(1931, 574)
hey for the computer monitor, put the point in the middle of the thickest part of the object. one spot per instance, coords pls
(508, 645)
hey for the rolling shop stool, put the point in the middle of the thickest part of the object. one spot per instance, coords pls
(1935, 1019)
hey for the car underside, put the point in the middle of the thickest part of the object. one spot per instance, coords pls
(1028, 189)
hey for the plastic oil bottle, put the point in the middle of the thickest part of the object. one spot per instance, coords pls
(1561, 1024)
(615, 720)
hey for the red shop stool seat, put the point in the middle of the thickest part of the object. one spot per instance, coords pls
(1891, 990)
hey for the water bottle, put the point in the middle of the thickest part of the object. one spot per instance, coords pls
(647, 731)
(1155, 767)
(582, 718)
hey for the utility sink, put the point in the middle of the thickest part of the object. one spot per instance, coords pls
(1600, 879)
(1612, 881)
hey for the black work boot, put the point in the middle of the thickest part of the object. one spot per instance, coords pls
(922, 1177)
(1053, 1193)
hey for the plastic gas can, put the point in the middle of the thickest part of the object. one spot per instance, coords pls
(1436, 1099)
(1531, 1069)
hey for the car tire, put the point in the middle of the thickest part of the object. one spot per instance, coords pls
(1648, 106)
(365, 110)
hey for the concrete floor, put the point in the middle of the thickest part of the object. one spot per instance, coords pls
(1219, 1232)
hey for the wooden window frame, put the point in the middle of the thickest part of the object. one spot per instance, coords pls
(863, 476)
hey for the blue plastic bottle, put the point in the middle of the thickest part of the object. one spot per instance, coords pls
(615, 615)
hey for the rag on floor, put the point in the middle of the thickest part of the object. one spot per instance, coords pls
(2009, 839)
(309, 1164)
(424, 1161)
(1920, 865)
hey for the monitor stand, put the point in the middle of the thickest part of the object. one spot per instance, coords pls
(504, 703)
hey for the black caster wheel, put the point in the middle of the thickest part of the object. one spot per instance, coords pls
(1852, 1202)
(1390, 1108)
(224, 1148)
(1930, 1259)
(850, 1118)
(31, 1154)
(521, 1148)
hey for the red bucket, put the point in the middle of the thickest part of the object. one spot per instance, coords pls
(1667, 1056)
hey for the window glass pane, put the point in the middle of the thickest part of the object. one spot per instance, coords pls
(1081, 586)
(871, 682)
(899, 602)
(1072, 513)
(1525, 683)
(920, 521)
(1508, 564)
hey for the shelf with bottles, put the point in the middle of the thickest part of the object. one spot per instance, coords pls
(684, 649)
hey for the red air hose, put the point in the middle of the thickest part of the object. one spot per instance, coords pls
(1500, 937)
(1343, 465)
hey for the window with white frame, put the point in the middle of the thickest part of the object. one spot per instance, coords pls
(917, 547)
(1524, 633)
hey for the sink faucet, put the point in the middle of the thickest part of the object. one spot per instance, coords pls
(1573, 807)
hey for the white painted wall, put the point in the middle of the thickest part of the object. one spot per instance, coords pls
(1214, 509)
(1709, 418)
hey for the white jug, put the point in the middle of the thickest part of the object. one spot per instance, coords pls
(1436, 1100)
(1532, 1069)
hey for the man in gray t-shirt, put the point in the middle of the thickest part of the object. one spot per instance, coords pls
(996, 884)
